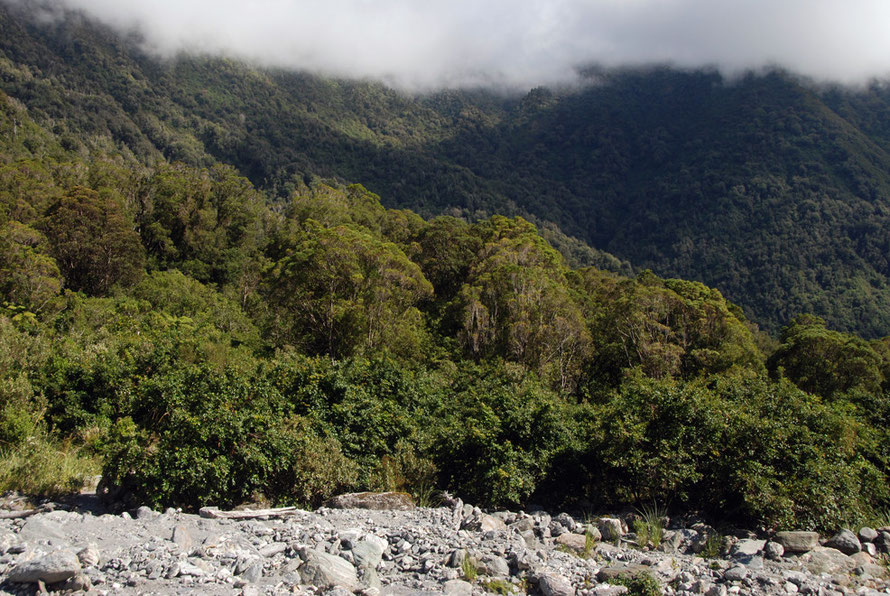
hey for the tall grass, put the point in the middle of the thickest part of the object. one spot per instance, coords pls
(41, 467)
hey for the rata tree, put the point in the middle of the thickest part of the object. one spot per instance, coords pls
(340, 291)
(28, 276)
(666, 328)
(516, 303)
(826, 362)
(94, 241)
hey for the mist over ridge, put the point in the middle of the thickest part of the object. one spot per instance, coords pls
(519, 45)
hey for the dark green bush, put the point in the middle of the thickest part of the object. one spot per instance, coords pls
(738, 447)
(202, 437)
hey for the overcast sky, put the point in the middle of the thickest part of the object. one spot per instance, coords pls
(522, 43)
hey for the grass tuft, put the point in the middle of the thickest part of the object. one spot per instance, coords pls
(40, 467)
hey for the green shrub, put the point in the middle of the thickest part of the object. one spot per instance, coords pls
(639, 585)
(203, 437)
(735, 446)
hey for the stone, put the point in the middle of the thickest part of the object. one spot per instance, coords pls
(78, 583)
(387, 501)
(861, 558)
(575, 542)
(882, 542)
(608, 590)
(321, 569)
(773, 550)
(844, 541)
(747, 548)
(621, 571)
(457, 558)
(369, 551)
(190, 569)
(457, 587)
(254, 572)
(489, 523)
(736, 573)
(797, 541)
(610, 528)
(55, 567)
(36, 529)
(145, 513)
(270, 550)
(867, 534)
(182, 538)
(551, 584)
(826, 560)
(594, 533)
(524, 525)
(494, 566)
(88, 556)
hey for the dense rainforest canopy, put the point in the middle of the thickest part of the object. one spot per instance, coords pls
(199, 300)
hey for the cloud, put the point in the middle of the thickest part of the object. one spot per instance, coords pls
(520, 43)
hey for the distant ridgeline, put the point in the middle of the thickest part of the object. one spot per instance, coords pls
(195, 302)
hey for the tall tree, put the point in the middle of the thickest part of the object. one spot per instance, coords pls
(94, 242)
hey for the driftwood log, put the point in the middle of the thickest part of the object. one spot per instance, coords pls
(25, 512)
(214, 513)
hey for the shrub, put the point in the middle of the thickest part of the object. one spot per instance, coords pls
(203, 437)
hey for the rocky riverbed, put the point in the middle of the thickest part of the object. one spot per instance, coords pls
(456, 549)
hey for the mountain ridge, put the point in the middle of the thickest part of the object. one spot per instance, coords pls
(773, 190)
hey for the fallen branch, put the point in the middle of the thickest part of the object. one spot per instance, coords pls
(214, 513)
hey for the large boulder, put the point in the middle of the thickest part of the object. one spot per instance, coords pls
(574, 542)
(321, 569)
(52, 568)
(826, 560)
(368, 552)
(845, 541)
(611, 528)
(796, 541)
(391, 501)
(551, 584)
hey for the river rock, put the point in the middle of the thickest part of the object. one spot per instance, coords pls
(388, 501)
(321, 569)
(621, 571)
(369, 551)
(844, 541)
(611, 528)
(575, 542)
(773, 550)
(867, 534)
(747, 548)
(551, 584)
(826, 560)
(182, 538)
(457, 587)
(52, 568)
(494, 566)
(797, 541)
(736, 573)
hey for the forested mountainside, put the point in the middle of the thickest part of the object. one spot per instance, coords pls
(772, 190)
(207, 338)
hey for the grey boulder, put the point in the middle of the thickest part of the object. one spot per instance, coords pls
(796, 541)
(321, 569)
(52, 568)
(845, 541)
